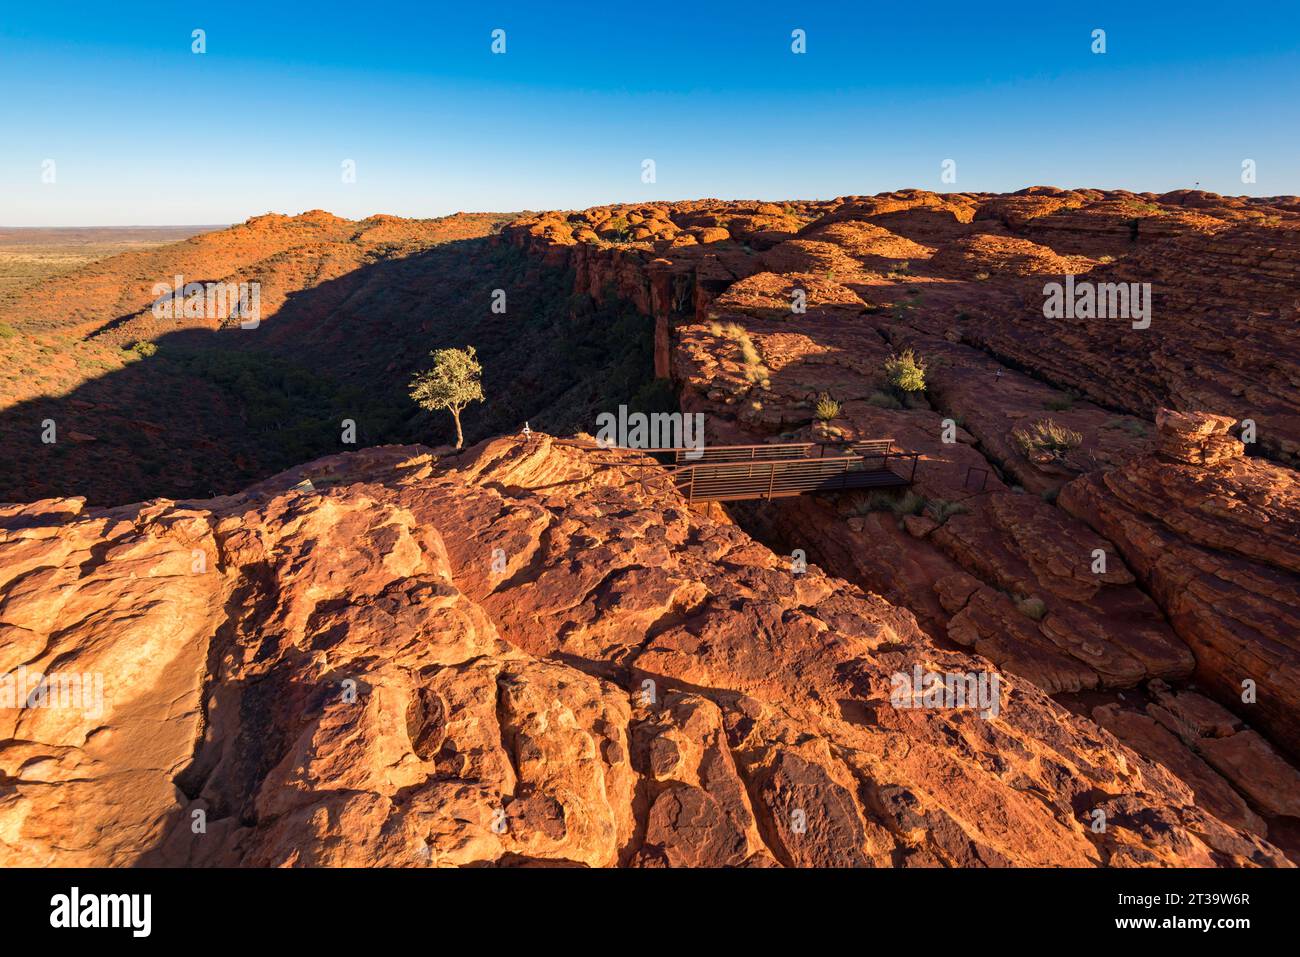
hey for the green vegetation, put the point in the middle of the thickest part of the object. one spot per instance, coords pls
(751, 360)
(1045, 435)
(454, 381)
(7, 331)
(883, 400)
(942, 509)
(1134, 206)
(827, 408)
(144, 349)
(1059, 403)
(280, 404)
(905, 372)
(909, 503)
(616, 229)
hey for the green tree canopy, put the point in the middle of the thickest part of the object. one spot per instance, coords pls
(453, 383)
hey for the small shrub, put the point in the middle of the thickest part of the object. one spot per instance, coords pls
(144, 349)
(909, 504)
(874, 502)
(7, 331)
(1033, 608)
(618, 228)
(906, 372)
(827, 408)
(941, 509)
(982, 276)
(1059, 403)
(883, 400)
(758, 375)
(1046, 435)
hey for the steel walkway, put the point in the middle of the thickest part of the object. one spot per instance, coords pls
(732, 473)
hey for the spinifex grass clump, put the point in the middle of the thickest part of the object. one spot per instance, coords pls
(751, 360)
(941, 509)
(827, 408)
(1046, 435)
(909, 503)
(905, 372)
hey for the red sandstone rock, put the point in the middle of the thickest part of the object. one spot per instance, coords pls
(1205, 544)
(504, 614)
(353, 676)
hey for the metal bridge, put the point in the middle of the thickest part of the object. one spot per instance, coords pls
(728, 473)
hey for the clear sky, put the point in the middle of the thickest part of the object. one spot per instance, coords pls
(143, 131)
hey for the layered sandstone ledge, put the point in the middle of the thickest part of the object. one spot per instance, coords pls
(519, 656)
(1212, 535)
(970, 268)
(1169, 558)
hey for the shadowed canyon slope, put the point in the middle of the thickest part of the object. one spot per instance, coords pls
(349, 311)
(419, 658)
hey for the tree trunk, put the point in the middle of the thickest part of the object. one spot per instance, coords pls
(460, 439)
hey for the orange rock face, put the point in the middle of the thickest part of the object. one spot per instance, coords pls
(1213, 537)
(1169, 559)
(522, 655)
(537, 653)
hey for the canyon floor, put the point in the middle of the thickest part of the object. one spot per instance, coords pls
(529, 653)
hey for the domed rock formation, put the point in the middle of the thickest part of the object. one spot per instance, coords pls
(521, 655)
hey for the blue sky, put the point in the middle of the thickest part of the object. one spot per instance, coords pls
(143, 131)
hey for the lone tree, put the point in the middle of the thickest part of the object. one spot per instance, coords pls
(453, 383)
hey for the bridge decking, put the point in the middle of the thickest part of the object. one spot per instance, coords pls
(731, 473)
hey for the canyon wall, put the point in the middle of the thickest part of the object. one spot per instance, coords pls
(1143, 551)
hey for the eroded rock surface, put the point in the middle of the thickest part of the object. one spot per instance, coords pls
(524, 655)
(521, 655)
(1169, 558)
(1213, 536)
